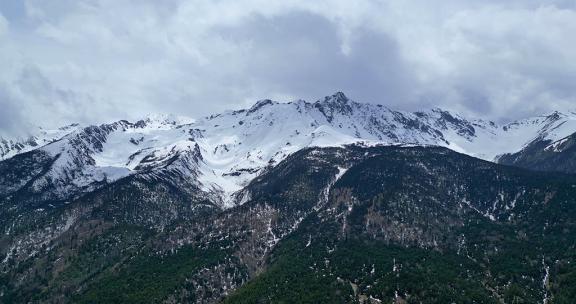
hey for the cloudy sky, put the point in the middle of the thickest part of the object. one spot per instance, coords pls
(92, 61)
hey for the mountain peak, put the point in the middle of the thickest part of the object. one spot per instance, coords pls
(337, 97)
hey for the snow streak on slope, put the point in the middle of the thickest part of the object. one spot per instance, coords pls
(222, 153)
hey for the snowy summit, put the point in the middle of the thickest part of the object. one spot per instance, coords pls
(221, 153)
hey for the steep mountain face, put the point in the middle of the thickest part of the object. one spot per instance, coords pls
(426, 225)
(326, 202)
(325, 225)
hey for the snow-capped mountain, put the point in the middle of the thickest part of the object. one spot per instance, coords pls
(333, 190)
(222, 153)
(12, 146)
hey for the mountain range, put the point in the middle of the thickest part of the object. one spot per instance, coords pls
(331, 201)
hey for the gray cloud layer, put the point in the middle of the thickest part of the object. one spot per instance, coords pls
(99, 60)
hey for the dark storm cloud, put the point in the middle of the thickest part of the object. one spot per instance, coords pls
(304, 53)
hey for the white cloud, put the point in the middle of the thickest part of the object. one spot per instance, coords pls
(3, 26)
(102, 59)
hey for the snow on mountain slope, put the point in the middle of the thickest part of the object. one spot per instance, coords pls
(554, 127)
(487, 140)
(13, 146)
(96, 155)
(220, 154)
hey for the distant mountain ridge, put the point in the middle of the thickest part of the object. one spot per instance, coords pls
(222, 153)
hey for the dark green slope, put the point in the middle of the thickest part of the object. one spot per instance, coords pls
(56, 255)
(326, 225)
(405, 207)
